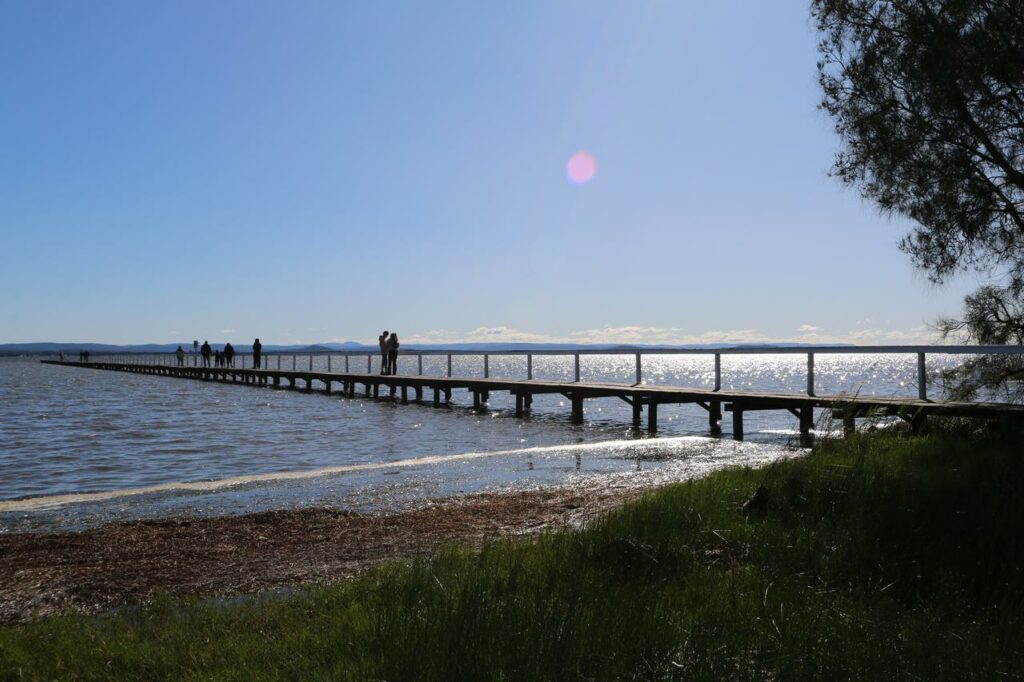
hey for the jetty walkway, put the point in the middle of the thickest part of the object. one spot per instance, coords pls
(641, 397)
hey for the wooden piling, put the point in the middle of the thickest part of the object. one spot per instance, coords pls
(715, 417)
(737, 423)
(577, 409)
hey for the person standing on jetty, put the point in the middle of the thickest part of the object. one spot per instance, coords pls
(205, 351)
(257, 353)
(382, 341)
(393, 353)
(180, 354)
(229, 355)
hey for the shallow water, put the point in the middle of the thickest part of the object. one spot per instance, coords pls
(70, 437)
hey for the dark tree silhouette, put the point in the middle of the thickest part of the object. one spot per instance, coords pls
(928, 99)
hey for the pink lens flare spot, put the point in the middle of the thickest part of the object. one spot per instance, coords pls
(581, 168)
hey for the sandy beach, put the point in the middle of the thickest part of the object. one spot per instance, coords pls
(125, 563)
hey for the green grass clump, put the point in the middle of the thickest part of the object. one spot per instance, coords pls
(872, 558)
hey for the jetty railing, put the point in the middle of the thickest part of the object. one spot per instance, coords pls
(281, 358)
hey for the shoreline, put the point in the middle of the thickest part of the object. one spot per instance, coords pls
(122, 563)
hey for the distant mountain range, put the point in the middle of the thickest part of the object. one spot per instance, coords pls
(49, 348)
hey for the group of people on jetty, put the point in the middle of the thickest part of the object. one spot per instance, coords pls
(226, 358)
(222, 358)
(388, 352)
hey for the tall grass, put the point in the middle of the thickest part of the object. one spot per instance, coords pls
(874, 557)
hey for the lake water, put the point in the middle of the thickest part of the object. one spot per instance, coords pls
(80, 447)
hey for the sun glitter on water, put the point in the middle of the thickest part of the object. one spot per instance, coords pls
(581, 168)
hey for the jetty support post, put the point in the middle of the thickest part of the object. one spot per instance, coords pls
(576, 363)
(519, 404)
(419, 364)
(346, 364)
(718, 376)
(652, 415)
(715, 417)
(487, 366)
(639, 370)
(806, 424)
(849, 421)
(637, 408)
(577, 408)
(922, 378)
(310, 362)
(449, 364)
(369, 364)
(437, 397)
(405, 393)
(810, 374)
(737, 421)
(294, 361)
(328, 362)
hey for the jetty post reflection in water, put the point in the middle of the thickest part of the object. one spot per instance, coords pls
(639, 395)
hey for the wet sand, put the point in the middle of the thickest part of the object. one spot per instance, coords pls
(125, 563)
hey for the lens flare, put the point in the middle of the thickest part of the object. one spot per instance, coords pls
(581, 168)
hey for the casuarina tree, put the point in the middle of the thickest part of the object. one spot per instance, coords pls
(927, 97)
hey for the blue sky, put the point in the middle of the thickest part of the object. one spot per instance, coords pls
(317, 171)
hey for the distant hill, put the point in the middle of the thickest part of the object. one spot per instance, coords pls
(50, 348)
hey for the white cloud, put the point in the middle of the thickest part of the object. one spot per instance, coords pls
(649, 335)
(498, 334)
(228, 331)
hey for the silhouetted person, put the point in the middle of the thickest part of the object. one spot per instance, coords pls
(87, 356)
(393, 353)
(257, 353)
(218, 359)
(180, 354)
(205, 350)
(383, 341)
(61, 356)
(229, 355)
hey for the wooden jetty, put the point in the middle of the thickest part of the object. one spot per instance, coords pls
(640, 397)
